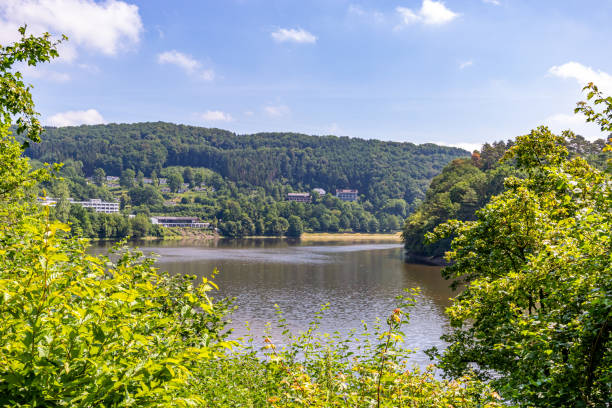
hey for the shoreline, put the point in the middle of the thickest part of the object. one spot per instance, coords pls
(306, 237)
(341, 236)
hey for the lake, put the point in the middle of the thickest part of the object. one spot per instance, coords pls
(358, 280)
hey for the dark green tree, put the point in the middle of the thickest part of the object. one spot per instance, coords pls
(175, 180)
(295, 227)
(99, 177)
(127, 178)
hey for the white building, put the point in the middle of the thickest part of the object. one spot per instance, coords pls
(98, 205)
(347, 194)
(319, 191)
(183, 222)
(299, 197)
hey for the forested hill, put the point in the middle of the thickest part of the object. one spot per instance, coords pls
(378, 169)
(466, 185)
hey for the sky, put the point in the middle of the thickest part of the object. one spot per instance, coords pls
(453, 72)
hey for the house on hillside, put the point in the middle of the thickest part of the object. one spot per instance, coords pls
(299, 197)
(347, 194)
(107, 207)
(181, 222)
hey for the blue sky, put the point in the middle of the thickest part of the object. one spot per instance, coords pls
(457, 72)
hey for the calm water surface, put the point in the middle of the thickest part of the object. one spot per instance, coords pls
(358, 280)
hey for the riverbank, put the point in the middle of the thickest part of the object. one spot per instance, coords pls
(178, 234)
(350, 237)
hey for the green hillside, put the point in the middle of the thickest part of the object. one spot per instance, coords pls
(379, 170)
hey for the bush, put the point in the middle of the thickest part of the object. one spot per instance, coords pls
(318, 370)
(80, 330)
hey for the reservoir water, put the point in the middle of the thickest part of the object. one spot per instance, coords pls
(358, 280)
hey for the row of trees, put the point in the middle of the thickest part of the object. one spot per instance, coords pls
(236, 211)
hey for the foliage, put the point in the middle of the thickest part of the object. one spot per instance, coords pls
(379, 170)
(466, 185)
(79, 330)
(463, 186)
(295, 227)
(534, 316)
(15, 97)
(369, 369)
(16, 102)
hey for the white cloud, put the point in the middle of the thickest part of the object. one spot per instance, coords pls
(107, 27)
(466, 64)
(276, 111)
(576, 123)
(583, 75)
(356, 9)
(494, 2)
(375, 16)
(187, 63)
(74, 118)
(293, 35)
(216, 116)
(431, 13)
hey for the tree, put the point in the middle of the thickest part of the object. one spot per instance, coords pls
(534, 317)
(295, 227)
(147, 195)
(175, 181)
(140, 225)
(198, 178)
(140, 178)
(99, 177)
(188, 175)
(127, 178)
(81, 330)
(154, 179)
(62, 206)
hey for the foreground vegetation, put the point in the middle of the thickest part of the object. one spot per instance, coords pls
(532, 326)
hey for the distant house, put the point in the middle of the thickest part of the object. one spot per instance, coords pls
(147, 180)
(112, 178)
(347, 194)
(107, 207)
(299, 197)
(164, 189)
(182, 222)
(163, 181)
(319, 191)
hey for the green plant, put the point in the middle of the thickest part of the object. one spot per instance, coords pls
(313, 369)
(534, 316)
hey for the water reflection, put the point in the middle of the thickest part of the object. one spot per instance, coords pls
(359, 281)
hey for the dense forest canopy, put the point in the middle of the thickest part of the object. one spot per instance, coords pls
(466, 185)
(379, 170)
